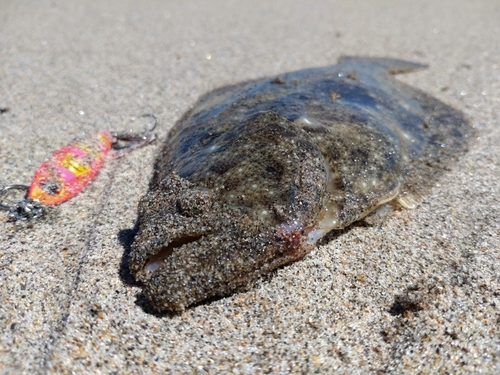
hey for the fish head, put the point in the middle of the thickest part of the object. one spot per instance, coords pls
(245, 210)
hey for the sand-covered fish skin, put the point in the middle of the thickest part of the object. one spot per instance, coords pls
(256, 173)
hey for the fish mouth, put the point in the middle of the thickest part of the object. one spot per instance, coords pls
(190, 247)
(189, 269)
(163, 252)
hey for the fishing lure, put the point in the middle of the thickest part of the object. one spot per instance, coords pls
(69, 170)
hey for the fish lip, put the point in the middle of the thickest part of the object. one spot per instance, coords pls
(162, 253)
(209, 264)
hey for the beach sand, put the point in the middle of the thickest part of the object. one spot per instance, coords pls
(419, 293)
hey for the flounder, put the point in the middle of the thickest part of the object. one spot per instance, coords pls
(252, 176)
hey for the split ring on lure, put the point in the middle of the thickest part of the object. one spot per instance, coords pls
(69, 170)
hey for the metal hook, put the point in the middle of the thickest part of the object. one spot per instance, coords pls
(137, 136)
(25, 209)
(139, 140)
(155, 123)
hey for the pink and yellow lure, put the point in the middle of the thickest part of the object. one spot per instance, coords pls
(70, 169)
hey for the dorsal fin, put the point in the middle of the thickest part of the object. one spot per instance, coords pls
(392, 66)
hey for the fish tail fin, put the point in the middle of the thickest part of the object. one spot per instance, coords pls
(392, 66)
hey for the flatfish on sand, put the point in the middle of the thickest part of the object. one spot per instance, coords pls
(255, 173)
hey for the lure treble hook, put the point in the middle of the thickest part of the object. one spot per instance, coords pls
(24, 210)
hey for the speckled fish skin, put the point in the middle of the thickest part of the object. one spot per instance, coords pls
(252, 176)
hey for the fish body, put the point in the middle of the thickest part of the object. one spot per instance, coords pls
(255, 173)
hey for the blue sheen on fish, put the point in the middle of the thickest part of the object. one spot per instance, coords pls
(256, 173)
